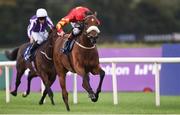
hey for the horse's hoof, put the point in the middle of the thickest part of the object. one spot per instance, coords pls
(93, 97)
(94, 100)
(97, 97)
(53, 103)
(41, 103)
(14, 93)
(68, 109)
(24, 95)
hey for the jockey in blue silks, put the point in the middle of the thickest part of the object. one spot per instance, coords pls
(36, 30)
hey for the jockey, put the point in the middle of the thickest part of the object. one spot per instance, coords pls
(36, 30)
(75, 16)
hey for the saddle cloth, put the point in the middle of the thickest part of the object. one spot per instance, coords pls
(27, 54)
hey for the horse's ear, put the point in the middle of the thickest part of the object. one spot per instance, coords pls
(95, 13)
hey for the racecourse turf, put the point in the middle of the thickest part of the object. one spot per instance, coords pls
(129, 103)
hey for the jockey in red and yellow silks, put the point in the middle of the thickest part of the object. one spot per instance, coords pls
(75, 16)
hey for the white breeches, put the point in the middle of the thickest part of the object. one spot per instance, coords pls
(39, 37)
(76, 29)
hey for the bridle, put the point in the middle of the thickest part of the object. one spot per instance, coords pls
(87, 30)
(93, 27)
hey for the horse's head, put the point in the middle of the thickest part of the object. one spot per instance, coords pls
(91, 30)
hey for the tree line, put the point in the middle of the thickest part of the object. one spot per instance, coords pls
(117, 16)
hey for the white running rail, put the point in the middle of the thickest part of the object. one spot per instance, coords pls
(7, 64)
(113, 61)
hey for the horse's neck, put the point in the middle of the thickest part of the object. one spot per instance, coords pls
(54, 37)
(47, 48)
(83, 40)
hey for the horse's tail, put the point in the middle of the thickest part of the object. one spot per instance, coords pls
(12, 55)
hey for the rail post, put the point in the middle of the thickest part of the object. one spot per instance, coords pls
(7, 84)
(75, 99)
(114, 82)
(157, 84)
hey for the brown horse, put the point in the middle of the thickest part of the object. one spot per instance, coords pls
(83, 59)
(43, 67)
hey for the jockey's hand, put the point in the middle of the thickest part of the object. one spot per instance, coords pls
(31, 40)
(61, 34)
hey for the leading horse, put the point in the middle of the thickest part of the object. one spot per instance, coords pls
(43, 67)
(83, 59)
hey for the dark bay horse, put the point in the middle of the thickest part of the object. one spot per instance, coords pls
(83, 59)
(43, 67)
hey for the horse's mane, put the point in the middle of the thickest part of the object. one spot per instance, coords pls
(52, 34)
(52, 30)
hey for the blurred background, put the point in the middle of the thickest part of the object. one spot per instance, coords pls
(121, 20)
(129, 28)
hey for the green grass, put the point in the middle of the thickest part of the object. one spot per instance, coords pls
(129, 103)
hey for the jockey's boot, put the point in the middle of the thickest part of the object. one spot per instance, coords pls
(67, 44)
(34, 46)
(66, 48)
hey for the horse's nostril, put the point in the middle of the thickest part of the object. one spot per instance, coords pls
(93, 40)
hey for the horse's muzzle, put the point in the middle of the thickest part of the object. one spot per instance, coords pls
(93, 39)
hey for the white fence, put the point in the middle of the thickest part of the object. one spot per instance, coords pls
(7, 64)
(113, 61)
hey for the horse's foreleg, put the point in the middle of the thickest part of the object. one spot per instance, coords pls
(62, 81)
(51, 80)
(30, 76)
(50, 94)
(43, 97)
(88, 88)
(18, 81)
(47, 90)
(101, 72)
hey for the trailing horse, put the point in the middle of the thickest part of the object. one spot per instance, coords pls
(83, 59)
(42, 66)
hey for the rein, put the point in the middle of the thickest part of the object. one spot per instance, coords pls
(46, 55)
(84, 47)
